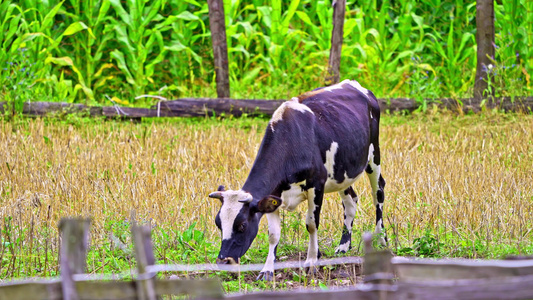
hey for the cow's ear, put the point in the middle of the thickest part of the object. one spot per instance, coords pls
(269, 204)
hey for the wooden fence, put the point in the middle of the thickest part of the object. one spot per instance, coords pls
(199, 107)
(385, 276)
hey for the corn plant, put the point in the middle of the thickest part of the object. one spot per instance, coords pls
(82, 50)
(186, 69)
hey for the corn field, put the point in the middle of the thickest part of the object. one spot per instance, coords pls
(83, 51)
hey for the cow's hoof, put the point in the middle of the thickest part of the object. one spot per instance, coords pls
(339, 251)
(265, 276)
(343, 249)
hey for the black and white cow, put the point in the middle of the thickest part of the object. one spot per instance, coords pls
(319, 142)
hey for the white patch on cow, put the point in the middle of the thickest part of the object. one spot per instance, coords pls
(358, 86)
(343, 247)
(230, 209)
(274, 233)
(312, 250)
(378, 227)
(292, 104)
(333, 185)
(370, 153)
(337, 86)
(293, 196)
(330, 158)
(379, 232)
(353, 83)
(350, 209)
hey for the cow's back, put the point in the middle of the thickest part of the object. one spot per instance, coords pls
(345, 117)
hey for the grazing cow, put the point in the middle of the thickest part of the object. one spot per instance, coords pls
(319, 142)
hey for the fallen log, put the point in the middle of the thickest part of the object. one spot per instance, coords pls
(507, 104)
(200, 107)
(190, 107)
(197, 107)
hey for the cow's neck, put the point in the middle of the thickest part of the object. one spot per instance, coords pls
(261, 183)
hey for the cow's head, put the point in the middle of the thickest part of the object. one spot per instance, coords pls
(238, 219)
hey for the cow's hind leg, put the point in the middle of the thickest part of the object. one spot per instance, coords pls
(378, 185)
(349, 202)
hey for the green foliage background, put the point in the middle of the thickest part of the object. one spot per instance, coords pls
(80, 51)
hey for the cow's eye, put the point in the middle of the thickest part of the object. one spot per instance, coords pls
(242, 227)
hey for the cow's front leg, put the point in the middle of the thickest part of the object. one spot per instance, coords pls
(274, 232)
(314, 199)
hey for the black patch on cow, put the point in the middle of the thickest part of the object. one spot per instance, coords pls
(381, 182)
(318, 202)
(380, 196)
(379, 214)
(351, 192)
(346, 236)
(377, 158)
(369, 169)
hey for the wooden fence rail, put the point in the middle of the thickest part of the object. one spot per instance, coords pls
(385, 277)
(200, 107)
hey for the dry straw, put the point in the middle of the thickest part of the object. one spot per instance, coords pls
(463, 178)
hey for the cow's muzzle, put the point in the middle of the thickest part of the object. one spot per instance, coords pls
(227, 261)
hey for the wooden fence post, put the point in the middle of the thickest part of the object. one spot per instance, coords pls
(485, 48)
(144, 255)
(217, 25)
(377, 267)
(339, 8)
(73, 253)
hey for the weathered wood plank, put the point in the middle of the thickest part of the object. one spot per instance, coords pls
(200, 107)
(337, 261)
(516, 104)
(145, 256)
(32, 289)
(205, 288)
(73, 253)
(429, 270)
(364, 292)
(496, 288)
(108, 290)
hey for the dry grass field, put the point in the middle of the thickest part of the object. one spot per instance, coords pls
(456, 186)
